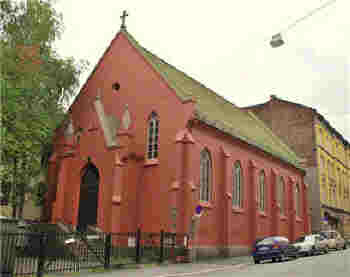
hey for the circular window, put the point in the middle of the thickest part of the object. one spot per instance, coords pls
(116, 86)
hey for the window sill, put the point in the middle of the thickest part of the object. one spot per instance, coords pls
(151, 162)
(206, 205)
(283, 217)
(262, 214)
(237, 210)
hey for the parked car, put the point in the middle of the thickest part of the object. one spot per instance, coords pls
(347, 243)
(273, 248)
(311, 244)
(334, 240)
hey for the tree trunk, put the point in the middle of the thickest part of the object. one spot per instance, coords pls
(14, 210)
(21, 203)
(22, 190)
(14, 189)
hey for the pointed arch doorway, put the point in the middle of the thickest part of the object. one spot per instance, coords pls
(88, 200)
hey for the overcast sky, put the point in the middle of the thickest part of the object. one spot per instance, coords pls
(225, 46)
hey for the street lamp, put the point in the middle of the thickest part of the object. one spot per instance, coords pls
(277, 40)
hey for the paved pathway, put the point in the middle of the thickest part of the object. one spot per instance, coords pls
(173, 270)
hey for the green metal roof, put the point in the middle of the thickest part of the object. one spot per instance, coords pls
(216, 111)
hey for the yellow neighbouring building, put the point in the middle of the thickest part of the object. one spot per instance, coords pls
(333, 159)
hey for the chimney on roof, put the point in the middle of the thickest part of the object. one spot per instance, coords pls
(273, 97)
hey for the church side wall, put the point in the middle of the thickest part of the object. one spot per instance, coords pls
(211, 223)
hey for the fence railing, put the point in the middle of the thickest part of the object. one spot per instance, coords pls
(36, 253)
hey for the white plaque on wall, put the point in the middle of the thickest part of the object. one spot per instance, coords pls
(131, 241)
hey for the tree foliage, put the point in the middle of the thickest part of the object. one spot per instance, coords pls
(36, 85)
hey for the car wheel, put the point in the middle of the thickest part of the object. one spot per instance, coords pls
(345, 246)
(273, 260)
(326, 250)
(256, 261)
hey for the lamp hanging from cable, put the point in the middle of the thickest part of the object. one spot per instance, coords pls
(277, 40)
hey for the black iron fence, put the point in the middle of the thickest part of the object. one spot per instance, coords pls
(35, 253)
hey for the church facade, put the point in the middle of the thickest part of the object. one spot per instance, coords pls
(145, 144)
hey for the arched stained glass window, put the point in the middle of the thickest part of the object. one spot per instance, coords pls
(281, 192)
(261, 191)
(237, 186)
(153, 134)
(205, 176)
(297, 199)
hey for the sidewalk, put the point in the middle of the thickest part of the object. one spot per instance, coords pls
(170, 270)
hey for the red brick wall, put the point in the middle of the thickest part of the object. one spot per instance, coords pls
(240, 221)
(293, 123)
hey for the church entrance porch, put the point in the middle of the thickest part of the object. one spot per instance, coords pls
(88, 200)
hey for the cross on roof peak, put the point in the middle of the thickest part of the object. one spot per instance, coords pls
(123, 16)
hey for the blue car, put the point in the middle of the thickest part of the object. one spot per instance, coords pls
(273, 248)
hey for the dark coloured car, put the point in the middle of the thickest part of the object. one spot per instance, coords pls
(273, 248)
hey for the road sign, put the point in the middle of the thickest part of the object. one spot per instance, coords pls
(199, 209)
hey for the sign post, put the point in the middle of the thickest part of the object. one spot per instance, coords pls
(193, 230)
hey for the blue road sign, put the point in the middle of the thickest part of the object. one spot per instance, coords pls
(199, 209)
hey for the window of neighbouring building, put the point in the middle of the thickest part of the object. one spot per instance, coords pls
(237, 190)
(344, 185)
(339, 184)
(153, 134)
(205, 175)
(261, 191)
(321, 137)
(330, 184)
(322, 166)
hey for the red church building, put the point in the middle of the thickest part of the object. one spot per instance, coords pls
(145, 144)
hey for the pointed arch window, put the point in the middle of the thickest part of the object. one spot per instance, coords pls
(261, 191)
(281, 190)
(153, 134)
(237, 186)
(205, 176)
(297, 200)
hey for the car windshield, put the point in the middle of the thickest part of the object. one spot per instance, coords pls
(266, 241)
(272, 240)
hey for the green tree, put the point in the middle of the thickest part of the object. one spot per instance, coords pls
(36, 85)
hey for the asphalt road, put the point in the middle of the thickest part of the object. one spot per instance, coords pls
(334, 264)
